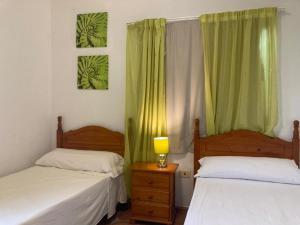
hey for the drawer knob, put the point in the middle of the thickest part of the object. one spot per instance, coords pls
(150, 182)
(150, 197)
(150, 212)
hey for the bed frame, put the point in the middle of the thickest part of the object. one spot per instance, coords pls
(245, 143)
(90, 138)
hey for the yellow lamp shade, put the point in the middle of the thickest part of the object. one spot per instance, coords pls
(161, 145)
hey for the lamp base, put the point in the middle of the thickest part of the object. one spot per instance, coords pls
(162, 161)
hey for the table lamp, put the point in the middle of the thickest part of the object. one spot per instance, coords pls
(161, 147)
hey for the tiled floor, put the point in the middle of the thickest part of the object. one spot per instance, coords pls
(122, 218)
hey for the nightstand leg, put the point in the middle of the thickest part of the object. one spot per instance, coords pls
(131, 221)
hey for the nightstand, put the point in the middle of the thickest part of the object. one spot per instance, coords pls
(153, 193)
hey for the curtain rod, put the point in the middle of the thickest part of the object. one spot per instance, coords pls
(175, 19)
(190, 17)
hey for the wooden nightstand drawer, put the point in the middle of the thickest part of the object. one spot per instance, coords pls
(153, 193)
(150, 210)
(150, 195)
(152, 180)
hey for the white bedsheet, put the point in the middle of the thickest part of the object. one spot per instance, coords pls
(52, 196)
(243, 202)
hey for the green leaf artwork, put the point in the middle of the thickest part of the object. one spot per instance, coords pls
(91, 30)
(93, 72)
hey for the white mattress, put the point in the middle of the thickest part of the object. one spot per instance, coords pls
(51, 196)
(243, 202)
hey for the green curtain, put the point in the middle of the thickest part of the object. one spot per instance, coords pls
(145, 90)
(240, 63)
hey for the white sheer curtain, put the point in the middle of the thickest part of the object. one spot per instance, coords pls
(185, 82)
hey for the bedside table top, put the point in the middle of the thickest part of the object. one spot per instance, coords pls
(171, 168)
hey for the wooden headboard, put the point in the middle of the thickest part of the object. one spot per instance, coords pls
(90, 138)
(245, 143)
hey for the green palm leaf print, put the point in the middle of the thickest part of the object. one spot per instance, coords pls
(92, 72)
(91, 30)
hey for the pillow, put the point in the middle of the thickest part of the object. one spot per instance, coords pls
(71, 159)
(250, 168)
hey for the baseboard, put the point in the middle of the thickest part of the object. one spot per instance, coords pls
(183, 208)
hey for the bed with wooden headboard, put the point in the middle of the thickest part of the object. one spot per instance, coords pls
(90, 138)
(237, 190)
(245, 143)
(66, 186)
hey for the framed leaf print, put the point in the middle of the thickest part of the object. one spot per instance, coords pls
(91, 31)
(92, 72)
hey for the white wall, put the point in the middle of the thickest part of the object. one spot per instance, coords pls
(81, 107)
(26, 83)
